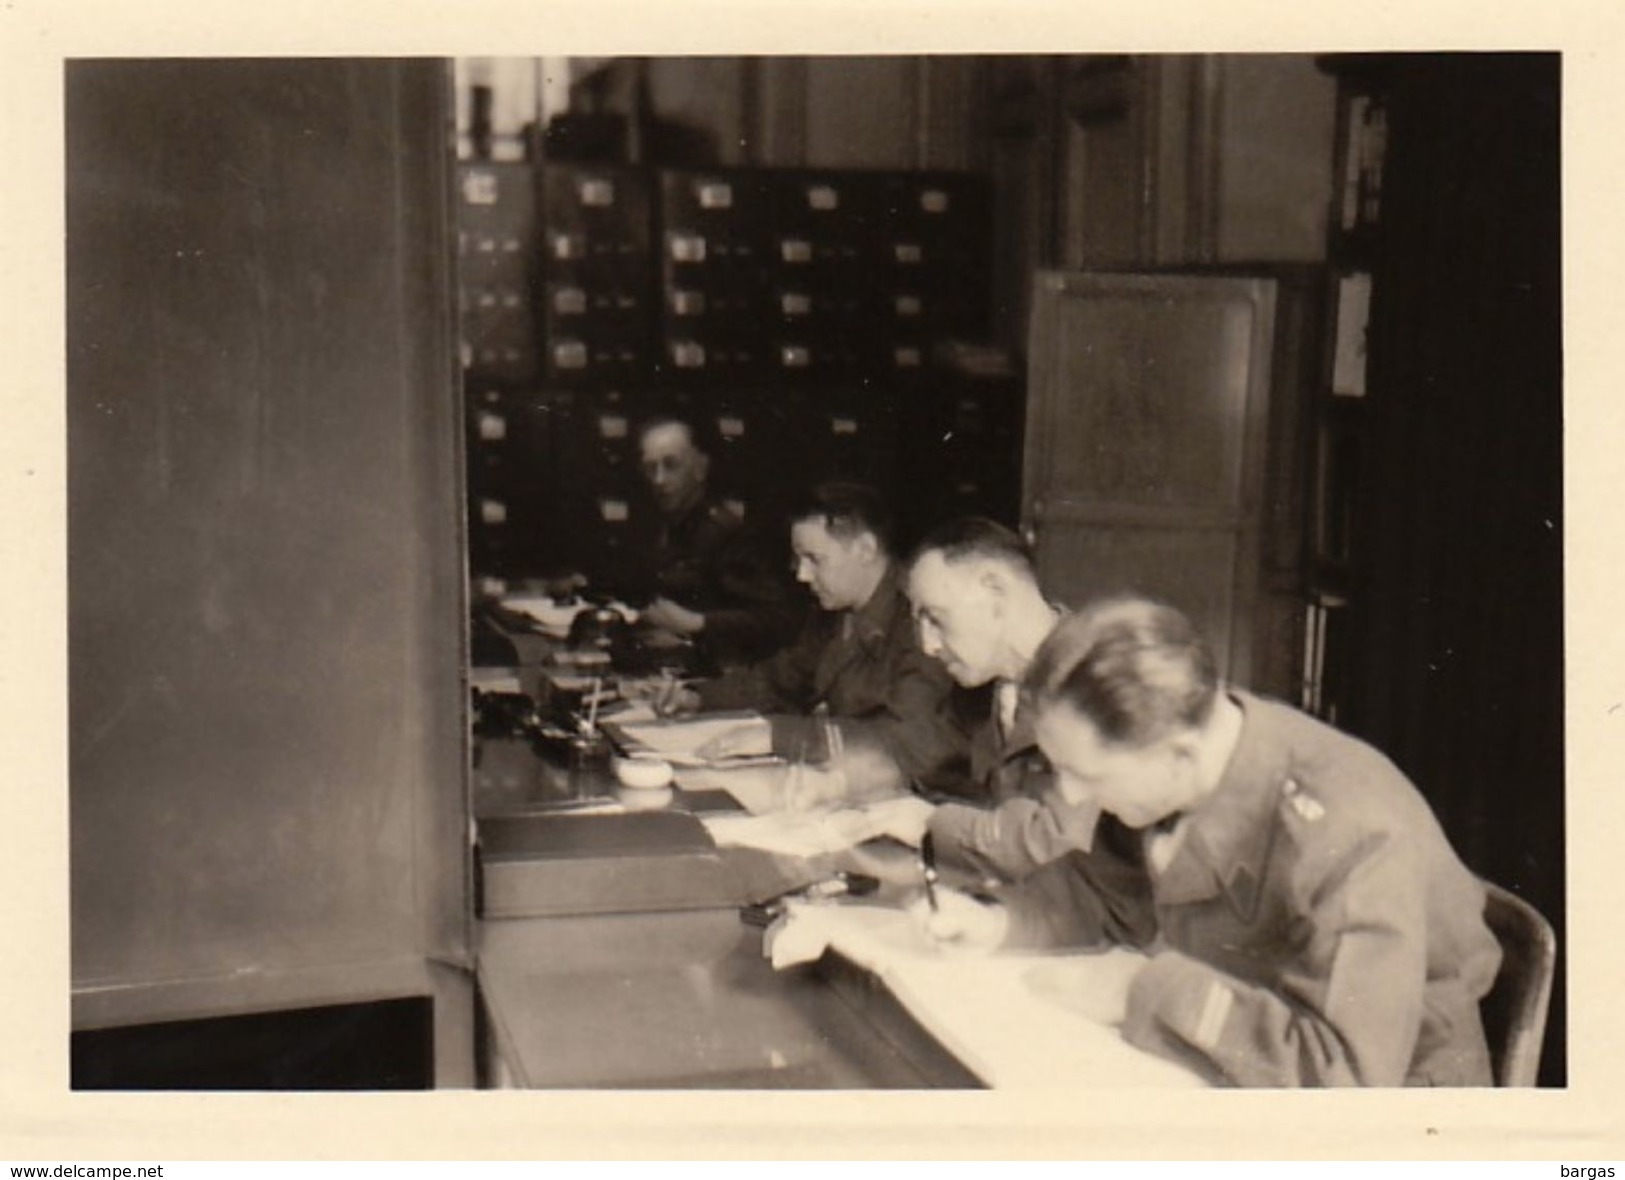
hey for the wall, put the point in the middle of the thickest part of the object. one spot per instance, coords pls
(1457, 653)
(1211, 158)
(1275, 127)
(267, 739)
(816, 112)
(1099, 161)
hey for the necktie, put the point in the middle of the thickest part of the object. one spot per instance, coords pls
(1005, 698)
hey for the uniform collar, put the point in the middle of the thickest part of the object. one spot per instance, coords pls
(687, 520)
(872, 622)
(1227, 836)
(1021, 737)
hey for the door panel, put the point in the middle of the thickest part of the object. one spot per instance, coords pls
(1156, 402)
(1146, 432)
(1191, 568)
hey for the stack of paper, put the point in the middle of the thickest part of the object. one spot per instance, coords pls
(679, 742)
(1057, 1019)
(553, 619)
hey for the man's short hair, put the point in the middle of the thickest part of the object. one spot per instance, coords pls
(972, 537)
(1133, 667)
(698, 436)
(847, 507)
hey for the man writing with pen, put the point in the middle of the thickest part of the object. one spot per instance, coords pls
(981, 613)
(855, 678)
(1313, 924)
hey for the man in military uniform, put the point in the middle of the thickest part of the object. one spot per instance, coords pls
(1316, 928)
(856, 673)
(981, 613)
(714, 580)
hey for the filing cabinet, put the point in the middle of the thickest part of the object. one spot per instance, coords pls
(509, 451)
(598, 277)
(714, 231)
(497, 240)
(821, 279)
(496, 215)
(963, 450)
(852, 431)
(796, 312)
(934, 241)
(758, 457)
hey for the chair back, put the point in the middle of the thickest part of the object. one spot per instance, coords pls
(1514, 1009)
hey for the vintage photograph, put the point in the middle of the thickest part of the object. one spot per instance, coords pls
(816, 573)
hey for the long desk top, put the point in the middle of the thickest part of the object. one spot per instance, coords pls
(687, 998)
(684, 1000)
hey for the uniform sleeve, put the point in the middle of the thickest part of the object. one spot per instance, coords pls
(1010, 839)
(1098, 897)
(915, 727)
(758, 607)
(782, 682)
(1347, 1006)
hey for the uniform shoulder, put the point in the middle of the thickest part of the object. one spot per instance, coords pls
(717, 521)
(1335, 790)
(723, 511)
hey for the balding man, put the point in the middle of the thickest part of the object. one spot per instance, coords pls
(713, 579)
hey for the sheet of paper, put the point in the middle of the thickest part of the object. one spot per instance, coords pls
(679, 741)
(786, 833)
(552, 619)
(1016, 1021)
(627, 712)
(759, 789)
(494, 679)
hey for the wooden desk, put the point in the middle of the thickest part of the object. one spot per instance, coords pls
(682, 1001)
(686, 999)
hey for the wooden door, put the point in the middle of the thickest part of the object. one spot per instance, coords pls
(1146, 428)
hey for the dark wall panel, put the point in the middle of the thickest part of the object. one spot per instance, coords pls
(264, 538)
(1460, 645)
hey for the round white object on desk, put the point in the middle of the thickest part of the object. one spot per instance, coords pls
(643, 774)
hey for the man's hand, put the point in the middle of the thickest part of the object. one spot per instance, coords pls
(958, 922)
(666, 614)
(811, 788)
(904, 819)
(666, 695)
(742, 741)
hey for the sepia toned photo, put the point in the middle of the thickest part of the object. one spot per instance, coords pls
(816, 573)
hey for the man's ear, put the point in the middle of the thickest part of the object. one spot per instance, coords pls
(994, 580)
(702, 461)
(1185, 745)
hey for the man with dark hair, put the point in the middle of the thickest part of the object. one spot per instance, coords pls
(857, 658)
(981, 613)
(713, 579)
(1316, 926)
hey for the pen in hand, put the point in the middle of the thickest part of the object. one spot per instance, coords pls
(830, 734)
(928, 866)
(671, 696)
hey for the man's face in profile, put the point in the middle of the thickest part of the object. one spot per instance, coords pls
(674, 467)
(959, 620)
